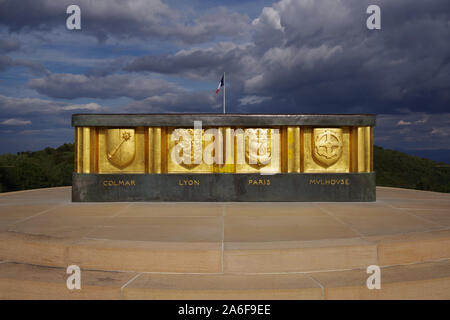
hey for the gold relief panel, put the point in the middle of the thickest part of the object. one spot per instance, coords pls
(156, 150)
(326, 149)
(224, 150)
(362, 149)
(187, 150)
(86, 150)
(120, 147)
(291, 149)
(258, 150)
(121, 150)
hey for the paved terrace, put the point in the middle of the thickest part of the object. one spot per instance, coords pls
(225, 250)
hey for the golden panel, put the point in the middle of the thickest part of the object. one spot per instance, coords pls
(120, 147)
(223, 150)
(258, 150)
(225, 143)
(363, 149)
(327, 146)
(187, 149)
(156, 150)
(293, 151)
(371, 149)
(121, 150)
(86, 150)
(78, 149)
(326, 149)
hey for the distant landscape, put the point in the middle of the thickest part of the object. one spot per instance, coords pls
(53, 168)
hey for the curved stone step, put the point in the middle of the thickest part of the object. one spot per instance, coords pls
(429, 280)
(232, 257)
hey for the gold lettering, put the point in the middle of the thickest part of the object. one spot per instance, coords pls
(331, 182)
(259, 182)
(118, 183)
(189, 182)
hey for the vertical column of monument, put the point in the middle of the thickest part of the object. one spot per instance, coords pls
(361, 149)
(292, 149)
(86, 152)
(224, 146)
(150, 146)
(371, 149)
(354, 149)
(78, 149)
(156, 150)
(364, 144)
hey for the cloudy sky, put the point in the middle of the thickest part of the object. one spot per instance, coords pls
(288, 56)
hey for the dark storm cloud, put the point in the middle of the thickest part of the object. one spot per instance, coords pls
(72, 86)
(177, 102)
(109, 67)
(7, 62)
(297, 56)
(318, 56)
(33, 124)
(7, 45)
(31, 107)
(419, 131)
(327, 60)
(144, 19)
(197, 62)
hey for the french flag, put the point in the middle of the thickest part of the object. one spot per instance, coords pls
(220, 85)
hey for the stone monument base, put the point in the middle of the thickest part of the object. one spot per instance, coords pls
(343, 187)
(223, 157)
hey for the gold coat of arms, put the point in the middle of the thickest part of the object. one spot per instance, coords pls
(258, 147)
(120, 147)
(188, 152)
(327, 145)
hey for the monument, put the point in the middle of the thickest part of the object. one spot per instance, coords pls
(223, 157)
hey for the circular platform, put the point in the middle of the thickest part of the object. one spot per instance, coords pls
(225, 250)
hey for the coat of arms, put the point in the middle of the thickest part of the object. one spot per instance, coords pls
(188, 151)
(258, 147)
(120, 147)
(327, 145)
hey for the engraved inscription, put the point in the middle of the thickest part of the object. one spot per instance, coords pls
(259, 182)
(118, 183)
(188, 182)
(331, 182)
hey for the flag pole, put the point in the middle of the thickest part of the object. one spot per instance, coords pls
(224, 93)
